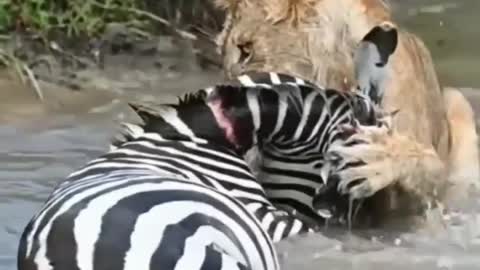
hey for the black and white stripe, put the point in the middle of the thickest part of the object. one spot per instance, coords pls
(290, 167)
(139, 220)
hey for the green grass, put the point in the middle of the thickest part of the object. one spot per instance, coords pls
(89, 17)
(76, 20)
(73, 17)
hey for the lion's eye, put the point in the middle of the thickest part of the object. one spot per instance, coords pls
(246, 50)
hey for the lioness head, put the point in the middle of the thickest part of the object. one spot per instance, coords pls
(317, 39)
(312, 39)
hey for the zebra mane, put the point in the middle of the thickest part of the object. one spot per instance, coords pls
(191, 98)
(150, 112)
(131, 131)
(152, 115)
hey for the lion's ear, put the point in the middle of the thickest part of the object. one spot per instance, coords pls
(371, 59)
(292, 10)
(276, 10)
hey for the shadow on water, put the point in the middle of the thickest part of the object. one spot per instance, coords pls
(36, 155)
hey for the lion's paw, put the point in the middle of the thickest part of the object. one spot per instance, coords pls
(365, 163)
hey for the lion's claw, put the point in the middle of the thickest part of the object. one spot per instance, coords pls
(363, 164)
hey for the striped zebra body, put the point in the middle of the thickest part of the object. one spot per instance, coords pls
(138, 220)
(183, 171)
(289, 169)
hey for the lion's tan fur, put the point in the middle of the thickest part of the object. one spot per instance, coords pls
(464, 141)
(315, 39)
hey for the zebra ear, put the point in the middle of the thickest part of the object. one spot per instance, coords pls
(371, 59)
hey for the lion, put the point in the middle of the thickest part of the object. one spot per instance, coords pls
(430, 155)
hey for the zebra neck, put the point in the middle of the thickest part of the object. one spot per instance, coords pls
(258, 115)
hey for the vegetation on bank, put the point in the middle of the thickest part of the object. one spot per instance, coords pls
(59, 25)
(89, 17)
(73, 17)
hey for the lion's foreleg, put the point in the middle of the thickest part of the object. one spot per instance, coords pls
(380, 158)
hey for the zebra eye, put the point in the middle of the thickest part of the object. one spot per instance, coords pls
(246, 50)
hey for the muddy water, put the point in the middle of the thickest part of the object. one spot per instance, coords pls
(449, 28)
(40, 149)
(32, 160)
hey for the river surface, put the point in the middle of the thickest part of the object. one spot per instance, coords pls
(36, 154)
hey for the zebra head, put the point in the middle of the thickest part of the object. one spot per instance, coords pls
(371, 60)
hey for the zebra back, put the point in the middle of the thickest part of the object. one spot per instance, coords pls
(144, 221)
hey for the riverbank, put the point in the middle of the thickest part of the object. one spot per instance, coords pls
(160, 67)
(131, 49)
(92, 74)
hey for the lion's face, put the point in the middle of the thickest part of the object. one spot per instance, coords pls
(312, 39)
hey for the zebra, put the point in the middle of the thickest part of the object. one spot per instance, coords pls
(200, 141)
(177, 187)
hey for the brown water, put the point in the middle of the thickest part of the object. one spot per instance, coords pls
(31, 161)
(450, 30)
(36, 154)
